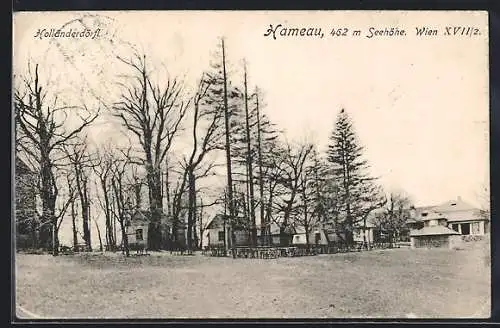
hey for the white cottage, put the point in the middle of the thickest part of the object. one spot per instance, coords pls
(316, 237)
(137, 230)
(364, 233)
(218, 233)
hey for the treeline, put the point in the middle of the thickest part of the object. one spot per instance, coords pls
(267, 178)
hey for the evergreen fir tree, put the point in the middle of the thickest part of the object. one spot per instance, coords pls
(358, 195)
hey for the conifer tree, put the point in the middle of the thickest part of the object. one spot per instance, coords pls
(358, 194)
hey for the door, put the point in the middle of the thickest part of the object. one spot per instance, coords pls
(465, 227)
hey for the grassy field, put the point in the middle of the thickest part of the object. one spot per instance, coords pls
(397, 283)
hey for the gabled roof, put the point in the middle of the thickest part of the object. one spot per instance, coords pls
(218, 221)
(454, 205)
(452, 210)
(140, 215)
(433, 231)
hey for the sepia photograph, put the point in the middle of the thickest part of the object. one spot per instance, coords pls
(251, 165)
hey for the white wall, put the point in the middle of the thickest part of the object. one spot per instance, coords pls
(131, 234)
(368, 234)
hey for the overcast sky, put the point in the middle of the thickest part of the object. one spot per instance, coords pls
(419, 105)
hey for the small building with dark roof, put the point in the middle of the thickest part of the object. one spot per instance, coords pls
(218, 232)
(437, 236)
(137, 228)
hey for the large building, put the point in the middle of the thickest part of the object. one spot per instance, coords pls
(455, 214)
(432, 226)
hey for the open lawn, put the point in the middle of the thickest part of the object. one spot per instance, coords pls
(395, 283)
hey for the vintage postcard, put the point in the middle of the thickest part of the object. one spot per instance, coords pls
(232, 164)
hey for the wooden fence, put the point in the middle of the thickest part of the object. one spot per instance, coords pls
(270, 252)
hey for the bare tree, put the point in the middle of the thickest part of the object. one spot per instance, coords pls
(41, 132)
(206, 137)
(221, 96)
(290, 179)
(310, 211)
(104, 165)
(249, 165)
(395, 214)
(273, 167)
(121, 203)
(74, 212)
(103, 170)
(266, 135)
(81, 163)
(153, 113)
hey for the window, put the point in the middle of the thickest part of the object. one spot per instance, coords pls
(424, 214)
(221, 235)
(138, 234)
(455, 227)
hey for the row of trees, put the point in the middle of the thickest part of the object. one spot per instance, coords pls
(267, 177)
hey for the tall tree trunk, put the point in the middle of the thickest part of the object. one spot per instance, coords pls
(224, 222)
(308, 244)
(269, 213)
(124, 238)
(263, 222)
(365, 244)
(306, 222)
(284, 240)
(200, 222)
(167, 188)
(195, 217)
(137, 192)
(55, 239)
(156, 207)
(114, 233)
(228, 152)
(99, 236)
(110, 238)
(73, 221)
(176, 211)
(81, 185)
(34, 235)
(112, 209)
(191, 208)
(253, 227)
(48, 195)
(86, 215)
